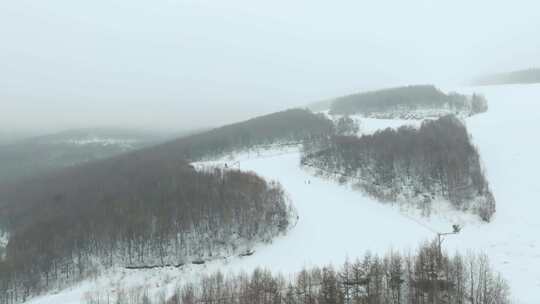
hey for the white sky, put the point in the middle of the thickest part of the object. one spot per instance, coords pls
(185, 64)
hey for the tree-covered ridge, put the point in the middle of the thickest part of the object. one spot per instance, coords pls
(410, 166)
(164, 214)
(291, 125)
(411, 102)
(517, 77)
(146, 207)
(41, 155)
(287, 126)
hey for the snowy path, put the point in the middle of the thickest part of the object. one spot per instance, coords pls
(336, 222)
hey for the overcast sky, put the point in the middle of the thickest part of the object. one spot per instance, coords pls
(187, 64)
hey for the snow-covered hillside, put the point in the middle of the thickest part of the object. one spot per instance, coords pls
(336, 222)
(506, 138)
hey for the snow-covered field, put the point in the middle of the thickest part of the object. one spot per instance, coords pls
(336, 222)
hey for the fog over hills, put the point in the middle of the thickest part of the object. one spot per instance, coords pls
(183, 64)
(24, 157)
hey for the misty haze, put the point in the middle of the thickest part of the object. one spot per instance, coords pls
(283, 152)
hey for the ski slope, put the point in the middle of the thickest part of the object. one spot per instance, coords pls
(336, 222)
(507, 138)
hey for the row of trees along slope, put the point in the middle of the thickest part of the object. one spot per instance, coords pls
(147, 207)
(435, 162)
(411, 102)
(288, 126)
(419, 278)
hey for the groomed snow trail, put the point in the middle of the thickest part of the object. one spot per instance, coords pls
(336, 222)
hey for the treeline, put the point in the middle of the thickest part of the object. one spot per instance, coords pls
(411, 102)
(168, 214)
(421, 278)
(292, 125)
(411, 166)
(517, 77)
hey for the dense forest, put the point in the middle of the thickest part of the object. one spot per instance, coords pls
(421, 278)
(516, 77)
(146, 207)
(288, 126)
(411, 102)
(292, 125)
(165, 214)
(409, 166)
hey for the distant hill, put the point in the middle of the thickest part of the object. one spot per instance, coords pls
(31, 156)
(410, 102)
(515, 77)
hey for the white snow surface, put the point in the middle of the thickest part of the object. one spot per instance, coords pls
(336, 222)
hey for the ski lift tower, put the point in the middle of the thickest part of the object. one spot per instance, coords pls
(455, 230)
